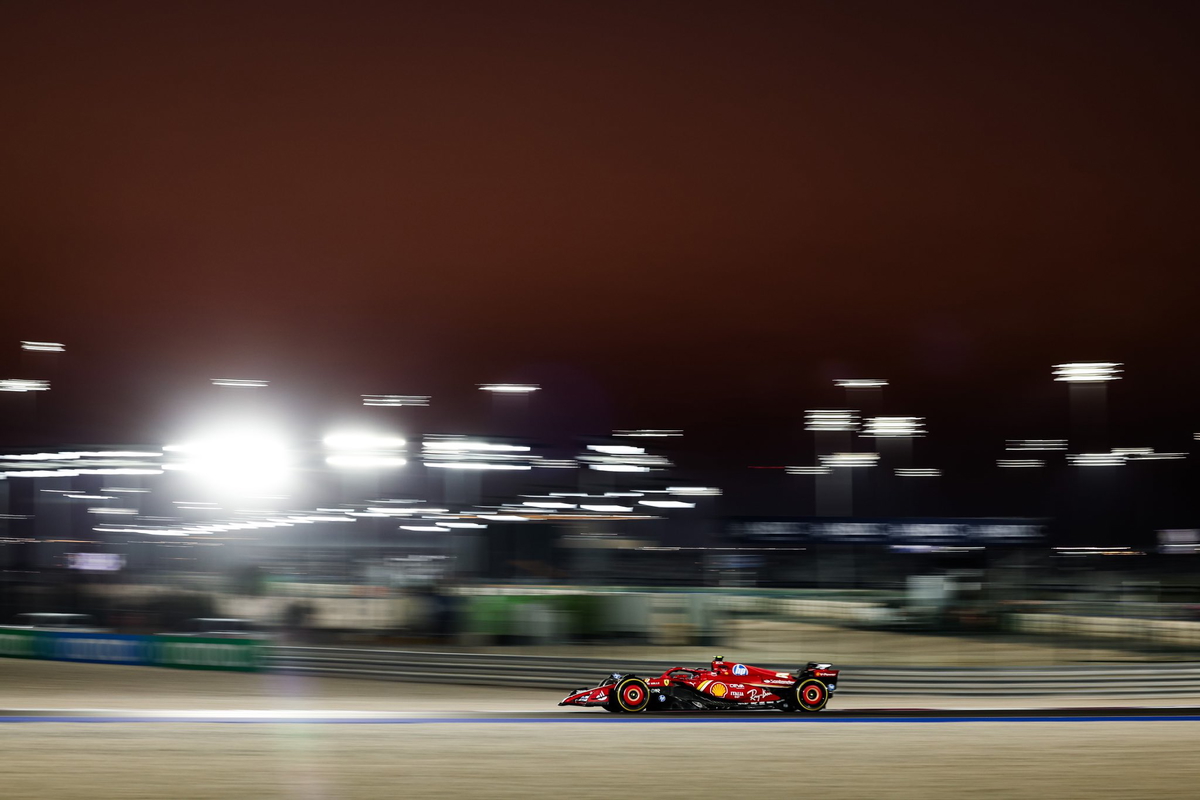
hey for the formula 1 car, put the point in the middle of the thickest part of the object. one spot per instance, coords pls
(720, 686)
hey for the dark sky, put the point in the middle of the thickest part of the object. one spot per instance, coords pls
(673, 214)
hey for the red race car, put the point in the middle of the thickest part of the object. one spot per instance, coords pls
(720, 686)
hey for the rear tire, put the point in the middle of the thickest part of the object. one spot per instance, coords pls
(809, 695)
(630, 695)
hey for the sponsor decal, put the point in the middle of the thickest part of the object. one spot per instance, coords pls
(740, 669)
(98, 647)
(718, 690)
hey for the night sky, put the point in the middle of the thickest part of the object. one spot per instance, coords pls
(671, 214)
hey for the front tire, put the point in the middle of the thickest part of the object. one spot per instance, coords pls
(631, 695)
(810, 695)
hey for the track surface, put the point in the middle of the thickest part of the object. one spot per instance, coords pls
(327, 739)
(862, 715)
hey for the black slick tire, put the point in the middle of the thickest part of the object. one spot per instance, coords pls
(809, 695)
(630, 695)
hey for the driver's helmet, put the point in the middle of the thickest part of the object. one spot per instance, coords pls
(718, 664)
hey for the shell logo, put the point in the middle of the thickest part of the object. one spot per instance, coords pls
(718, 690)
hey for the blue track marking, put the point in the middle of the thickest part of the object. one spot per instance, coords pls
(590, 720)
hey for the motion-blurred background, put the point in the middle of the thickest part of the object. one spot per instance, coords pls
(512, 344)
(381, 532)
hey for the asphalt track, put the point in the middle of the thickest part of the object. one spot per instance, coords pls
(590, 717)
(98, 732)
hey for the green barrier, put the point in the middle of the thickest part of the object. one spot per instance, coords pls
(191, 652)
(489, 615)
(184, 652)
(583, 614)
(496, 615)
(20, 644)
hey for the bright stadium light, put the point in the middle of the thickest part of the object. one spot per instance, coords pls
(650, 433)
(1097, 460)
(556, 463)
(474, 465)
(70, 473)
(666, 504)
(472, 446)
(406, 511)
(43, 347)
(239, 383)
(459, 452)
(917, 472)
(1020, 463)
(887, 427)
(1036, 444)
(396, 400)
(617, 449)
(238, 460)
(624, 461)
(860, 383)
(23, 385)
(509, 388)
(808, 470)
(365, 461)
(1087, 371)
(1146, 454)
(81, 456)
(830, 420)
(849, 459)
(356, 440)
(150, 531)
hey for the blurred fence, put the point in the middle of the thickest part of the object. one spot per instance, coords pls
(888, 629)
(545, 672)
(1183, 633)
